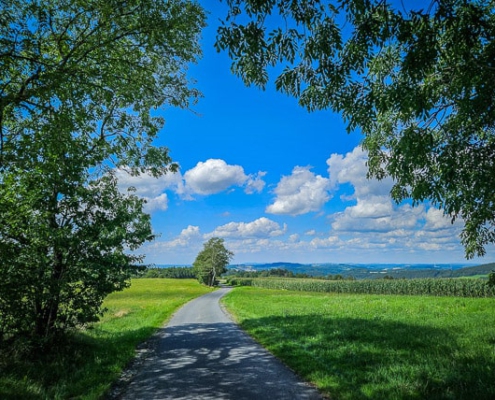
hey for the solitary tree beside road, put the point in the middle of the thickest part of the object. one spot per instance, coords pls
(212, 261)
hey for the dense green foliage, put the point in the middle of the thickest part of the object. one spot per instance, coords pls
(85, 366)
(376, 347)
(416, 80)
(169, 272)
(428, 287)
(212, 261)
(78, 82)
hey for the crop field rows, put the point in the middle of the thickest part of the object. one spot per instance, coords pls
(429, 287)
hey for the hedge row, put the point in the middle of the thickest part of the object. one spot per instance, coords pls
(429, 287)
(169, 272)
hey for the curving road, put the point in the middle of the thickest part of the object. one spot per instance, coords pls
(201, 355)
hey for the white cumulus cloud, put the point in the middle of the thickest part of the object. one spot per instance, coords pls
(187, 235)
(374, 210)
(351, 168)
(180, 250)
(375, 221)
(300, 193)
(435, 219)
(215, 175)
(150, 188)
(260, 228)
(331, 241)
(255, 183)
(209, 177)
(156, 203)
(371, 207)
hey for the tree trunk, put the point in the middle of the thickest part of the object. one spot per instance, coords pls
(213, 277)
(47, 309)
(50, 304)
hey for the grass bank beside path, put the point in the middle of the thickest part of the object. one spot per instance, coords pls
(355, 346)
(85, 367)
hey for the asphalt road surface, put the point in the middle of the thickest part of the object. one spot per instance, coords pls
(201, 355)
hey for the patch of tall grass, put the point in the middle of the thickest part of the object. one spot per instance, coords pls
(355, 346)
(85, 365)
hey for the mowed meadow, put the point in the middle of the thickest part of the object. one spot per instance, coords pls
(370, 346)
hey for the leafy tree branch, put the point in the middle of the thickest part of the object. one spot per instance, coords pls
(416, 81)
(78, 82)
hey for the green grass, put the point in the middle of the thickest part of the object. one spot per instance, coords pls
(355, 346)
(85, 366)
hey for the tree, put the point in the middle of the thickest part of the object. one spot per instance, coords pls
(417, 82)
(212, 261)
(78, 82)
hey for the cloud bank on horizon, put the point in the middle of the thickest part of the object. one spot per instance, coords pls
(369, 227)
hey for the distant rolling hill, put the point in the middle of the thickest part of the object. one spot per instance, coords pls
(373, 271)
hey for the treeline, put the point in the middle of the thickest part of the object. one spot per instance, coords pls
(429, 287)
(280, 273)
(169, 272)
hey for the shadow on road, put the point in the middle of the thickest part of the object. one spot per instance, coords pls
(212, 361)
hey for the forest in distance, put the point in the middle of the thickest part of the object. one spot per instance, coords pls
(362, 271)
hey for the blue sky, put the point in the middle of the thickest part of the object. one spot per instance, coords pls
(277, 183)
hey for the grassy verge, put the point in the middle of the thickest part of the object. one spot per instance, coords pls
(85, 366)
(355, 346)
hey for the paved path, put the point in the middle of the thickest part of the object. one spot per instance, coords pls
(201, 355)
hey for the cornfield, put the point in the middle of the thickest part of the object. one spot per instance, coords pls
(428, 287)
